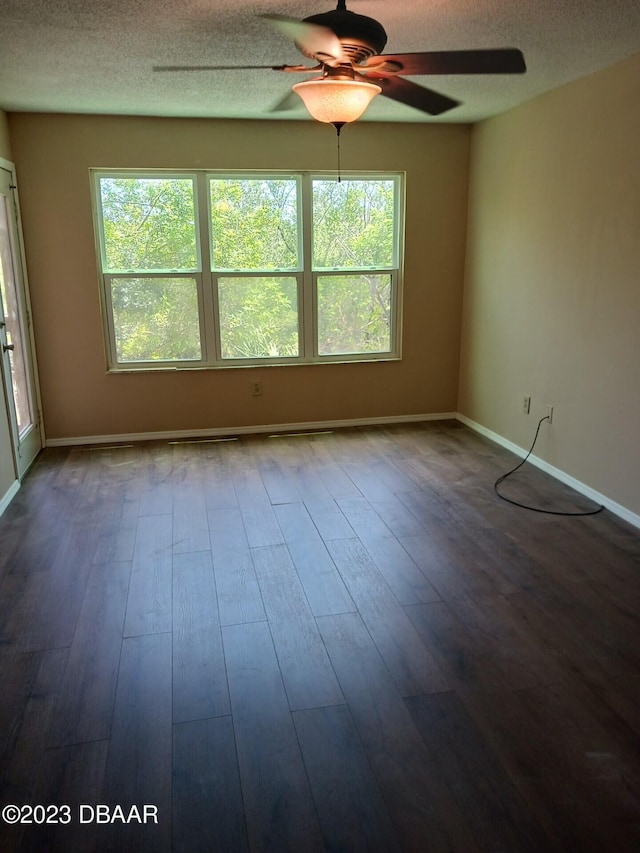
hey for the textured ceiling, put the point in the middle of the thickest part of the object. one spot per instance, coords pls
(85, 56)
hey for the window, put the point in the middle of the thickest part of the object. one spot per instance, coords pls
(210, 270)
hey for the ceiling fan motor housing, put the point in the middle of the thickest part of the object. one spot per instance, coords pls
(360, 36)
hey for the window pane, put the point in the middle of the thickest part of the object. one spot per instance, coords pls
(354, 314)
(353, 224)
(258, 317)
(148, 224)
(156, 319)
(254, 224)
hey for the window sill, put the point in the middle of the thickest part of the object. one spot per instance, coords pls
(114, 371)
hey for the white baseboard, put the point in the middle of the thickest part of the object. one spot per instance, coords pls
(614, 507)
(217, 432)
(9, 495)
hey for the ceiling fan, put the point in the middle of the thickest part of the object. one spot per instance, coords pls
(347, 48)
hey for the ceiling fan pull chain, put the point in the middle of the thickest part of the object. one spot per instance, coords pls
(338, 126)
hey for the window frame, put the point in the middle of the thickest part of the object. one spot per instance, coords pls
(207, 278)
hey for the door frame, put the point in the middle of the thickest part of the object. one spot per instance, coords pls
(19, 259)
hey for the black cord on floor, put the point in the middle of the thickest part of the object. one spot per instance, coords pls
(534, 508)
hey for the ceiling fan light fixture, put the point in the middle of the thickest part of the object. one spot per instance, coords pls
(334, 101)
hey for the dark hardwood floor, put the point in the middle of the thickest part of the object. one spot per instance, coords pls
(339, 642)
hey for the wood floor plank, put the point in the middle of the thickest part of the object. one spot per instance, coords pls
(279, 808)
(308, 677)
(17, 674)
(550, 634)
(460, 554)
(21, 596)
(249, 487)
(323, 586)
(599, 750)
(261, 526)
(199, 675)
(581, 809)
(32, 542)
(362, 517)
(619, 628)
(30, 517)
(153, 487)
(138, 769)
(509, 561)
(421, 807)
(117, 536)
(412, 666)
(618, 696)
(53, 622)
(329, 519)
(308, 482)
(295, 521)
(239, 596)
(496, 812)
(208, 810)
(454, 646)
(226, 531)
(337, 482)
(397, 517)
(367, 481)
(260, 523)
(279, 482)
(545, 544)
(440, 560)
(30, 689)
(85, 705)
(190, 525)
(149, 600)
(606, 634)
(217, 483)
(73, 776)
(408, 583)
(497, 635)
(350, 805)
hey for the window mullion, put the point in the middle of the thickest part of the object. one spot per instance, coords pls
(208, 321)
(308, 307)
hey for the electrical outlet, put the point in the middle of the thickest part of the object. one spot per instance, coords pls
(550, 414)
(526, 405)
(256, 388)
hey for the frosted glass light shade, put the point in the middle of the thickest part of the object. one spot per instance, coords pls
(336, 101)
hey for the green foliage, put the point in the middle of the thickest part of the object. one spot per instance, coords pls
(155, 319)
(150, 225)
(258, 317)
(354, 314)
(353, 224)
(254, 224)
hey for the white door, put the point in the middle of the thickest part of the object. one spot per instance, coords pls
(18, 375)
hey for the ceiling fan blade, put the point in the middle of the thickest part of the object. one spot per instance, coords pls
(315, 40)
(498, 61)
(295, 68)
(423, 99)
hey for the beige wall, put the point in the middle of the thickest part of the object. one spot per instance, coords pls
(53, 155)
(552, 294)
(5, 145)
